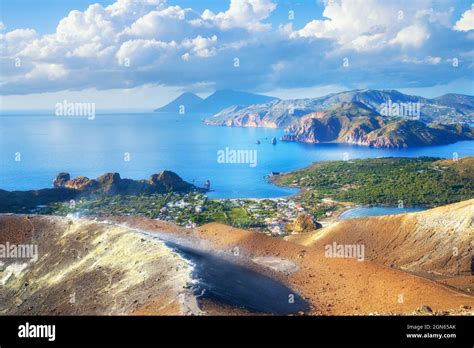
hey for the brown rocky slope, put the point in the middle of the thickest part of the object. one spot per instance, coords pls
(438, 241)
(116, 266)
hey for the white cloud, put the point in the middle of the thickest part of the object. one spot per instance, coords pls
(428, 60)
(51, 72)
(2, 26)
(412, 36)
(94, 25)
(14, 41)
(356, 24)
(158, 23)
(175, 46)
(201, 46)
(466, 22)
(246, 14)
(91, 50)
(143, 52)
(366, 25)
(128, 8)
(185, 56)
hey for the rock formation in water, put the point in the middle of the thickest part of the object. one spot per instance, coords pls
(66, 189)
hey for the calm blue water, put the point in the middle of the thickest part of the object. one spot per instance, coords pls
(50, 144)
(376, 211)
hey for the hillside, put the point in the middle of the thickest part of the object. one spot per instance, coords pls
(355, 123)
(462, 103)
(188, 100)
(438, 241)
(283, 113)
(222, 99)
(333, 286)
(86, 267)
(121, 266)
(387, 181)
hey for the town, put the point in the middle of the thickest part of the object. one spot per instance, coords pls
(272, 216)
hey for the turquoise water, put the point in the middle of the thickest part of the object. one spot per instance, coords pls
(376, 211)
(50, 144)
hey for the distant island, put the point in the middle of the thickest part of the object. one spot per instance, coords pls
(375, 118)
(219, 100)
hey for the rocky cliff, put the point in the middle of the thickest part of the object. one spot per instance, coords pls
(66, 189)
(355, 123)
(112, 183)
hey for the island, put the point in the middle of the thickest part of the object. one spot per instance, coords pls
(375, 118)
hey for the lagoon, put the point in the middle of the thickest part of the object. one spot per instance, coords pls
(376, 211)
(139, 144)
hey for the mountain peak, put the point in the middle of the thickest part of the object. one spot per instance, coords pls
(187, 99)
(217, 101)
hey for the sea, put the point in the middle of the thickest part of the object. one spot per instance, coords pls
(37, 145)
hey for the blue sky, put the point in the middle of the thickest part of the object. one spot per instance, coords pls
(19, 14)
(141, 53)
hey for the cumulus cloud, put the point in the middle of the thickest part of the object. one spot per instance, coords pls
(18, 37)
(246, 14)
(50, 72)
(356, 24)
(143, 52)
(412, 36)
(364, 25)
(466, 22)
(133, 43)
(170, 22)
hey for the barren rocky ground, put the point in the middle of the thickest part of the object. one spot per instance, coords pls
(127, 265)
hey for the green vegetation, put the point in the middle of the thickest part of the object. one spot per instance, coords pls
(414, 181)
(183, 209)
(327, 188)
(144, 205)
(311, 200)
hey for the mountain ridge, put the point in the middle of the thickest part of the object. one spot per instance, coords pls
(376, 118)
(217, 101)
(283, 113)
